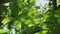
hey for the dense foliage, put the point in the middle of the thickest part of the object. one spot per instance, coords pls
(23, 16)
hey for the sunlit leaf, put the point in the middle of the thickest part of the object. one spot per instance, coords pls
(58, 20)
(28, 22)
(44, 26)
(4, 31)
(5, 20)
(35, 21)
(18, 24)
(58, 2)
(6, 4)
(57, 16)
(30, 25)
(44, 32)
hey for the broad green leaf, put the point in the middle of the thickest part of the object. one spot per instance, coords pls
(58, 2)
(22, 19)
(3, 31)
(9, 11)
(5, 20)
(57, 16)
(30, 25)
(28, 22)
(32, 1)
(44, 31)
(44, 26)
(18, 24)
(6, 4)
(25, 1)
(58, 20)
(35, 21)
(20, 12)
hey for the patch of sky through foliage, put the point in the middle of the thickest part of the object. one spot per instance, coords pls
(43, 4)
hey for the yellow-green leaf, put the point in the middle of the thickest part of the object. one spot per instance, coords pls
(3, 31)
(5, 20)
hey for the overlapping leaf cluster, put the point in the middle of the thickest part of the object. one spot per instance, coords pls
(19, 13)
(23, 16)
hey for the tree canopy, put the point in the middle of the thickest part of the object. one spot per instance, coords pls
(24, 17)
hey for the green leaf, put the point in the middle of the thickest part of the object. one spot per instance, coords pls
(44, 31)
(58, 2)
(3, 31)
(35, 21)
(18, 24)
(5, 20)
(30, 25)
(44, 26)
(57, 16)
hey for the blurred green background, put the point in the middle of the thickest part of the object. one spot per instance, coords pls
(29, 16)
